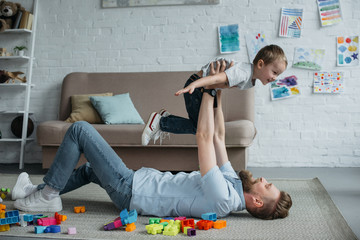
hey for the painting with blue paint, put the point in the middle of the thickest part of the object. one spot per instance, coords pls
(229, 39)
(308, 58)
(329, 11)
(284, 88)
(254, 42)
(291, 22)
(347, 50)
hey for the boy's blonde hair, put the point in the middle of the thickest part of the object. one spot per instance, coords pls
(269, 54)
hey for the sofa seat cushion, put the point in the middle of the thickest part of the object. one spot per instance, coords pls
(51, 133)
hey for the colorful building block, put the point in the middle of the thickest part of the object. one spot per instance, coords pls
(79, 209)
(4, 228)
(130, 227)
(39, 229)
(2, 207)
(191, 232)
(28, 217)
(154, 228)
(46, 221)
(60, 218)
(220, 224)
(132, 216)
(113, 225)
(4, 192)
(209, 216)
(11, 217)
(154, 220)
(180, 218)
(128, 217)
(53, 229)
(172, 229)
(204, 224)
(187, 223)
(36, 217)
(72, 230)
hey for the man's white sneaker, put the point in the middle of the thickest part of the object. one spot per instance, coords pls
(164, 113)
(23, 187)
(151, 129)
(35, 202)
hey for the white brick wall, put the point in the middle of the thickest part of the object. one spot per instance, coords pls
(310, 130)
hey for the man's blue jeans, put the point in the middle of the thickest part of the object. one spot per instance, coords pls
(104, 166)
(180, 125)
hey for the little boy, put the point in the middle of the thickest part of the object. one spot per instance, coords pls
(268, 64)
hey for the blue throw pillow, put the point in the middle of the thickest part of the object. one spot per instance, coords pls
(116, 109)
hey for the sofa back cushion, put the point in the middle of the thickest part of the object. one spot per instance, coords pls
(150, 91)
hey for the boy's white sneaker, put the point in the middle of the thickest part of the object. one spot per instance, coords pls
(23, 187)
(151, 129)
(35, 202)
(164, 113)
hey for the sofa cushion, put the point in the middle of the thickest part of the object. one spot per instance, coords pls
(118, 109)
(82, 110)
(238, 134)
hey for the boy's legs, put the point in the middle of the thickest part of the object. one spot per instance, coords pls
(107, 169)
(179, 125)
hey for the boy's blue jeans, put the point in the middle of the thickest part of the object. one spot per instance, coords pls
(104, 166)
(180, 125)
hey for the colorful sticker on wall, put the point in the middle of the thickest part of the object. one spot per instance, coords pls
(229, 38)
(308, 58)
(348, 51)
(330, 12)
(254, 42)
(291, 22)
(284, 88)
(328, 82)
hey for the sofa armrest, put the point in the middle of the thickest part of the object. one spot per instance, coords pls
(239, 133)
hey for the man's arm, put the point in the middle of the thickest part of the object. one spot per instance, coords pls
(205, 135)
(218, 80)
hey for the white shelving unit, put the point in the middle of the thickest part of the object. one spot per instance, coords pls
(28, 60)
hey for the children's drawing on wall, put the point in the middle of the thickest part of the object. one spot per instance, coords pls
(330, 12)
(229, 39)
(328, 82)
(290, 22)
(254, 42)
(308, 58)
(348, 51)
(284, 88)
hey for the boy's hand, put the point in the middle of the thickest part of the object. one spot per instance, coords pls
(190, 89)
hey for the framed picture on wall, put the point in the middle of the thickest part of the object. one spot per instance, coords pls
(147, 3)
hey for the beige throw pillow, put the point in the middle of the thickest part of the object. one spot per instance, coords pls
(83, 110)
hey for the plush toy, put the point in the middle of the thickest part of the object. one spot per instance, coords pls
(8, 14)
(6, 76)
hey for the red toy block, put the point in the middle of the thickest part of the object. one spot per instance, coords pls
(79, 209)
(187, 223)
(180, 218)
(204, 224)
(220, 224)
(46, 221)
(60, 218)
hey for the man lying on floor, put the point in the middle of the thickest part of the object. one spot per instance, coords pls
(216, 188)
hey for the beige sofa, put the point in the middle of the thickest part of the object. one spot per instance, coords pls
(151, 91)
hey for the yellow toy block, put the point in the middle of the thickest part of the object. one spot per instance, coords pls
(154, 228)
(185, 229)
(4, 228)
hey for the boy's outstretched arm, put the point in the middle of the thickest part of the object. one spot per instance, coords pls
(219, 80)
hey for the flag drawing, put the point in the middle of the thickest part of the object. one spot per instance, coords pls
(329, 11)
(291, 22)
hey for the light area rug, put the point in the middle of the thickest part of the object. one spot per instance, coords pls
(313, 216)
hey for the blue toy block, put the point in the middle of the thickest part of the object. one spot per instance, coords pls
(11, 217)
(132, 216)
(53, 229)
(209, 216)
(36, 217)
(168, 218)
(28, 217)
(39, 229)
(124, 215)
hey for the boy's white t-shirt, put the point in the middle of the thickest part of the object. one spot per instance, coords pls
(239, 75)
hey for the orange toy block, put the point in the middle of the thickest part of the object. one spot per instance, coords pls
(79, 209)
(164, 220)
(60, 218)
(204, 224)
(220, 224)
(130, 227)
(2, 207)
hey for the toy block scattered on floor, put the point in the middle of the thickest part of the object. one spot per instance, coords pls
(72, 230)
(113, 224)
(60, 218)
(154, 220)
(204, 224)
(79, 209)
(47, 221)
(53, 229)
(4, 192)
(154, 228)
(180, 218)
(39, 229)
(130, 227)
(11, 217)
(191, 232)
(187, 223)
(219, 224)
(209, 216)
